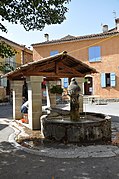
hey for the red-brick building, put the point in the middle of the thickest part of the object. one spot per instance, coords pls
(100, 51)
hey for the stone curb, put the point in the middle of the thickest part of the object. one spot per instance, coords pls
(92, 151)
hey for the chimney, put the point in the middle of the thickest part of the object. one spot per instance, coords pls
(46, 37)
(105, 28)
(117, 23)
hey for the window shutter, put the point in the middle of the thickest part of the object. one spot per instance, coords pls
(113, 79)
(94, 54)
(53, 52)
(103, 80)
(66, 82)
(97, 53)
(91, 54)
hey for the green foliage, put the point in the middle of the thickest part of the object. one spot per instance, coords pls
(56, 89)
(5, 68)
(33, 14)
(6, 51)
(85, 80)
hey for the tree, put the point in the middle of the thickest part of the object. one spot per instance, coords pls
(33, 14)
(6, 51)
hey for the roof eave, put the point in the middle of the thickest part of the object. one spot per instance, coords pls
(80, 38)
(27, 69)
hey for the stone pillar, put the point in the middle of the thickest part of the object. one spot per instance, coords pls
(35, 101)
(52, 96)
(17, 98)
(74, 107)
(80, 83)
(74, 91)
(47, 96)
(2, 92)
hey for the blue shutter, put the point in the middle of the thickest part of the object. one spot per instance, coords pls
(97, 53)
(103, 80)
(113, 79)
(53, 52)
(91, 54)
(66, 82)
(94, 54)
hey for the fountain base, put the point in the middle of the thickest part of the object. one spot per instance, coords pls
(92, 128)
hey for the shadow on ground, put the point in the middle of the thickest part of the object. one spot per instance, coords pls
(2, 126)
(6, 111)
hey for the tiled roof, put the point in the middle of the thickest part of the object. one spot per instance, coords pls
(68, 38)
(3, 39)
(9, 41)
(60, 65)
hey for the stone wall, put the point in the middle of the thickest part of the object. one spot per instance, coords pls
(96, 128)
(2, 93)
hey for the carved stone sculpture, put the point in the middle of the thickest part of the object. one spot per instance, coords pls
(73, 92)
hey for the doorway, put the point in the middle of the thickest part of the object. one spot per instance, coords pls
(88, 86)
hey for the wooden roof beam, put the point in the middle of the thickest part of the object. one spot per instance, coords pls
(41, 68)
(50, 74)
(70, 69)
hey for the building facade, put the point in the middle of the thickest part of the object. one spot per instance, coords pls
(100, 51)
(23, 55)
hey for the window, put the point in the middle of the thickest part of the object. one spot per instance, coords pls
(94, 54)
(53, 52)
(108, 79)
(66, 82)
(4, 82)
(11, 61)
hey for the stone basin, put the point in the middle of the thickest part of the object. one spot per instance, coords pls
(90, 128)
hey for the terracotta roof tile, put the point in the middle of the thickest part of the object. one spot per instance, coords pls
(3, 39)
(47, 67)
(78, 38)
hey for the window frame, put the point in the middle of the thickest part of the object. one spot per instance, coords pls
(108, 79)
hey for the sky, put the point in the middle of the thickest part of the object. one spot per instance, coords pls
(83, 17)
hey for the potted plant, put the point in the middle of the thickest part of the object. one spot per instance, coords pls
(56, 89)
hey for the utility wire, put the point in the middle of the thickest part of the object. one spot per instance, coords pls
(93, 44)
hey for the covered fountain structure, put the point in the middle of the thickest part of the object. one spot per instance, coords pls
(72, 126)
(76, 127)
